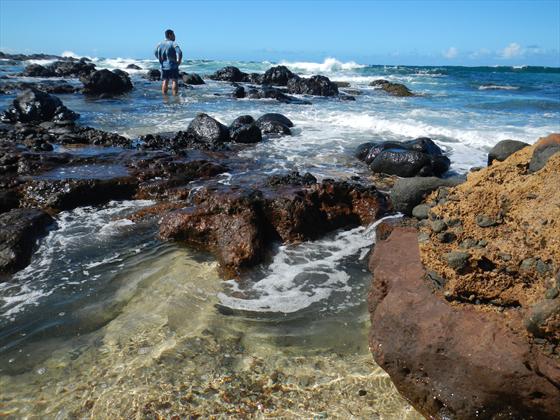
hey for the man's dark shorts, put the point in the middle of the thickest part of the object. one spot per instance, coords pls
(170, 74)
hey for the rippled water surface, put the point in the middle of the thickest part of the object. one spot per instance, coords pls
(108, 322)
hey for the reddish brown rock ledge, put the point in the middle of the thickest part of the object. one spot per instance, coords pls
(453, 361)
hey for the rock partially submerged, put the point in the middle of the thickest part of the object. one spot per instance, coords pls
(205, 129)
(418, 157)
(395, 89)
(192, 79)
(244, 130)
(278, 76)
(19, 229)
(229, 74)
(105, 81)
(315, 85)
(34, 106)
(239, 225)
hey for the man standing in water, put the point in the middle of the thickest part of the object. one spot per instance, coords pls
(169, 55)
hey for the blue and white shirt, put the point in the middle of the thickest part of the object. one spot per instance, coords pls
(169, 54)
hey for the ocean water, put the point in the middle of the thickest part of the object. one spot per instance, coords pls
(109, 322)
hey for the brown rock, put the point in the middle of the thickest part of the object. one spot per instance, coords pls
(238, 225)
(452, 361)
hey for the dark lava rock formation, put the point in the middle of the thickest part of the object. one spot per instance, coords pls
(395, 89)
(418, 157)
(34, 106)
(106, 82)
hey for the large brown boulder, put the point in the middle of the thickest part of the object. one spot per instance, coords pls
(240, 225)
(453, 361)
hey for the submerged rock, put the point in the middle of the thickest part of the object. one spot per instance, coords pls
(106, 82)
(34, 106)
(395, 89)
(19, 229)
(133, 66)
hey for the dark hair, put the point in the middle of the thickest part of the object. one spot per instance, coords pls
(168, 34)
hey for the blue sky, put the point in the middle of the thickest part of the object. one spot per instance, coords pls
(370, 32)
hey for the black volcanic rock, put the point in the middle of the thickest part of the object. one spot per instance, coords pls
(106, 81)
(315, 85)
(278, 75)
(34, 106)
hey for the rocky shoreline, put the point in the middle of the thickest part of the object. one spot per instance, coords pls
(464, 301)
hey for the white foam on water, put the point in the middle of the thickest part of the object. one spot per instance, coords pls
(329, 65)
(302, 275)
(497, 87)
(75, 229)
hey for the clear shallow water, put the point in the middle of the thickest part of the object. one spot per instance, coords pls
(108, 322)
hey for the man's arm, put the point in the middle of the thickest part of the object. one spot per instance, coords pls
(156, 53)
(179, 54)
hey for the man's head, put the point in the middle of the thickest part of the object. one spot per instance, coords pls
(170, 35)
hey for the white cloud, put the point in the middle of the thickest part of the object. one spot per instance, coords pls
(452, 52)
(512, 50)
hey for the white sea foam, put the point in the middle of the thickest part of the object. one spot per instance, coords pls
(300, 276)
(497, 87)
(75, 230)
(328, 66)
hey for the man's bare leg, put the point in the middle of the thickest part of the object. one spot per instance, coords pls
(165, 86)
(174, 87)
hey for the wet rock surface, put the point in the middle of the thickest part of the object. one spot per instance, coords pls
(56, 87)
(395, 89)
(453, 361)
(315, 85)
(19, 229)
(278, 75)
(192, 79)
(105, 81)
(229, 74)
(418, 157)
(239, 225)
(34, 106)
(205, 129)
